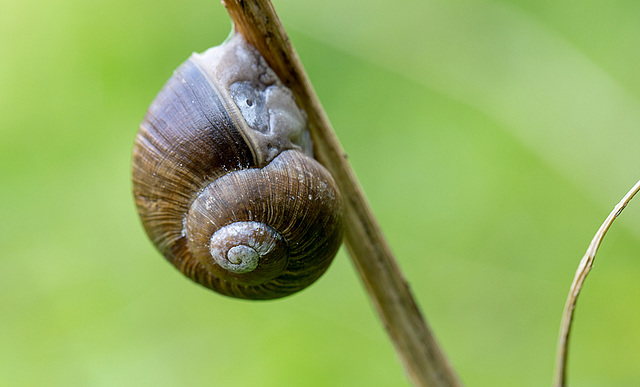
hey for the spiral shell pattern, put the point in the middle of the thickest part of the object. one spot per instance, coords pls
(231, 198)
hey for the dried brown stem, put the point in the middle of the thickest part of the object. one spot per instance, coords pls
(424, 361)
(586, 263)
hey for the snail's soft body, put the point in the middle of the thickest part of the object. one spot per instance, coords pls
(225, 182)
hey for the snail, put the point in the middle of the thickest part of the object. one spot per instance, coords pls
(225, 182)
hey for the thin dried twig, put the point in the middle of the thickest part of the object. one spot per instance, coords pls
(424, 361)
(584, 267)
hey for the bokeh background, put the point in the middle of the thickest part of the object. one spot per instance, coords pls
(491, 137)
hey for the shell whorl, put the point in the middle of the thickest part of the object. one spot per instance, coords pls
(241, 246)
(276, 196)
(224, 180)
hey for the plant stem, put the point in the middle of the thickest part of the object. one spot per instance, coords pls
(424, 361)
(586, 263)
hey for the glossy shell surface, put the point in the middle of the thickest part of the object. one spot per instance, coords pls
(223, 154)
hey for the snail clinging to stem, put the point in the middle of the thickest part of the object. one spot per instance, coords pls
(225, 182)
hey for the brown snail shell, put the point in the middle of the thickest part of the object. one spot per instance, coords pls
(225, 183)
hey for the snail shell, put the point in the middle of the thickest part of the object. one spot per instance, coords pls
(224, 179)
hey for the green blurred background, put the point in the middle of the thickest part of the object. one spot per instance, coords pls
(491, 137)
